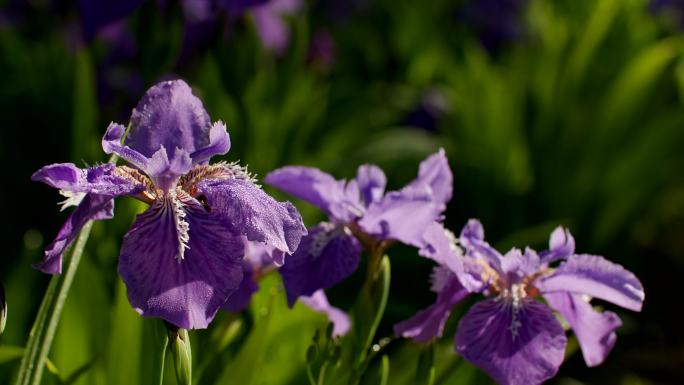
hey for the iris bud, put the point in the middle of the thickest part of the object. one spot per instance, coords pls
(181, 354)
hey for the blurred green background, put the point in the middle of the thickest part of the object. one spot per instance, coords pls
(551, 112)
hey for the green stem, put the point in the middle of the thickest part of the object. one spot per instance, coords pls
(45, 326)
(310, 375)
(321, 373)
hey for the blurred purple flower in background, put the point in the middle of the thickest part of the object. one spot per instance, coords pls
(271, 27)
(259, 262)
(182, 258)
(670, 10)
(495, 22)
(322, 50)
(201, 18)
(96, 14)
(361, 215)
(117, 73)
(432, 107)
(513, 337)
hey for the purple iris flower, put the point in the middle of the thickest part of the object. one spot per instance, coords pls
(259, 262)
(511, 336)
(272, 30)
(361, 214)
(182, 258)
(202, 19)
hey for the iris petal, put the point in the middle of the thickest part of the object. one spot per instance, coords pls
(111, 144)
(170, 116)
(253, 213)
(97, 186)
(240, 299)
(371, 181)
(429, 322)
(561, 246)
(402, 215)
(219, 144)
(308, 183)
(472, 238)
(435, 172)
(595, 331)
(187, 292)
(514, 346)
(318, 301)
(92, 207)
(326, 256)
(101, 179)
(595, 276)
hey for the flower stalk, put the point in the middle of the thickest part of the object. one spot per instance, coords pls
(44, 328)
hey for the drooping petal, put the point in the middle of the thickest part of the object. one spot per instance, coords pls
(185, 292)
(595, 276)
(318, 301)
(308, 183)
(595, 331)
(402, 215)
(514, 346)
(561, 245)
(240, 299)
(170, 116)
(92, 207)
(371, 181)
(428, 323)
(326, 256)
(253, 213)
(100, 179)
(436, 173)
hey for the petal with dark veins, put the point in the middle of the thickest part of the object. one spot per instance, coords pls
(326, 256)
(185, 292)
(522, 345)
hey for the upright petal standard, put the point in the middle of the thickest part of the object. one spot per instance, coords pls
(182, 259)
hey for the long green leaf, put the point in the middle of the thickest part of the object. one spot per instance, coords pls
(43, 330)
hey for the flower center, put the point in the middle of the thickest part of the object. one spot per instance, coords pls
(173, 199)
(221, 170)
